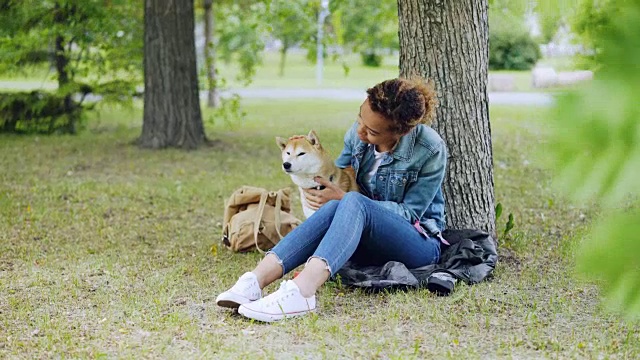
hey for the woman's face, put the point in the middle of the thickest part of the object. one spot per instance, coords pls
(373, 128)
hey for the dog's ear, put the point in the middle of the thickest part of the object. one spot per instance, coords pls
(282, 142)
(313, 138)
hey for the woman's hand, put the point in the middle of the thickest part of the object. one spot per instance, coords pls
(316, 198)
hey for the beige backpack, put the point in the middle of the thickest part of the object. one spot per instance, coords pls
(255, 218)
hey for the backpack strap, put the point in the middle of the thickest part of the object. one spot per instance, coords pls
(258, 219)
(225, 235)
(277, 220)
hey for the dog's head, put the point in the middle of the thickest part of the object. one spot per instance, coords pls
(301, 154)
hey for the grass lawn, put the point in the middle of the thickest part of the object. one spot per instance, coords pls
(299, 73)
(108, 251)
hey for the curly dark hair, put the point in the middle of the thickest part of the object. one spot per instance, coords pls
(405, 102)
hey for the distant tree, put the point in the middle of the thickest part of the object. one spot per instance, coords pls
(210, 54)
(233, 33)
(172, 115)
(552, 15)
(93, 47)
(240, 26)
(509, 10)
(292, 22)
(367, 27)
(511, 45)
(550, 23)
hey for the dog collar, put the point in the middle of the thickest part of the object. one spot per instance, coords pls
(322, 187)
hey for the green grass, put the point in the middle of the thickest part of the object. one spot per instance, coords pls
(299, 73)
(110, 251)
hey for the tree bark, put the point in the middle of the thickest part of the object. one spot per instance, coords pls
(210, 54)
(172, 116)
(283, 57)
(61, 60)
(448, 41)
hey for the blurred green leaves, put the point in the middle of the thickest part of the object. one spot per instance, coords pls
(595, 148)
(597, 133)
(611, 255)
(89, 47)
(293, 22)
(102, 40)
(366, 27)
(592, 18)
(238, 29)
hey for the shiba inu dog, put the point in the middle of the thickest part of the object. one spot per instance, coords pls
(304, 158)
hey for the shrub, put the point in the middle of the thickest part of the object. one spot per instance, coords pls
(509, 51)
(38, 112)
(371, 58)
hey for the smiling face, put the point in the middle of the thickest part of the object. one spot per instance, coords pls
(301, 155)
(373, 128)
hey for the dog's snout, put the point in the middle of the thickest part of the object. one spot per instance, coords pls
(286, 165)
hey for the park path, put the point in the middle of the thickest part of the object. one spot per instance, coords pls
(495, 98)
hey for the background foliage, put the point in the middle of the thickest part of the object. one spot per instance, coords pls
(591, 19)
(237, 33)
(511, 46)
(293, 22)
(90, 47)
(595, 150)
(367, 27)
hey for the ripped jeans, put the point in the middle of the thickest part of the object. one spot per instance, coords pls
(359, 229)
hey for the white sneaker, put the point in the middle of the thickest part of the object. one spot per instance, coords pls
(284, 303)
(246, 290)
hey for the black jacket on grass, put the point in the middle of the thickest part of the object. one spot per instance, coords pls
(471, 258)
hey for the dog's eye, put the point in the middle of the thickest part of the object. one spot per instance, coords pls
(288, 153)
(302, 153)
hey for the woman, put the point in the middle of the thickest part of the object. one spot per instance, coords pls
(398, 216)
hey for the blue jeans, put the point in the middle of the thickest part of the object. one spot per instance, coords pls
(359, 229)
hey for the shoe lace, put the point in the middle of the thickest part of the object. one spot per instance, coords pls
(248, 286)
(276, 299)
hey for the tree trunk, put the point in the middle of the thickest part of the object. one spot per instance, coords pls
(172, 116)
(210, 54)
(61, 60)
(283, 57)
(448, 41)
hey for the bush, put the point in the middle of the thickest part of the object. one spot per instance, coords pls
(38, 112)
(371, 58)
(509, 51)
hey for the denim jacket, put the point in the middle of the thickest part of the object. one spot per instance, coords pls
(409, 179)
